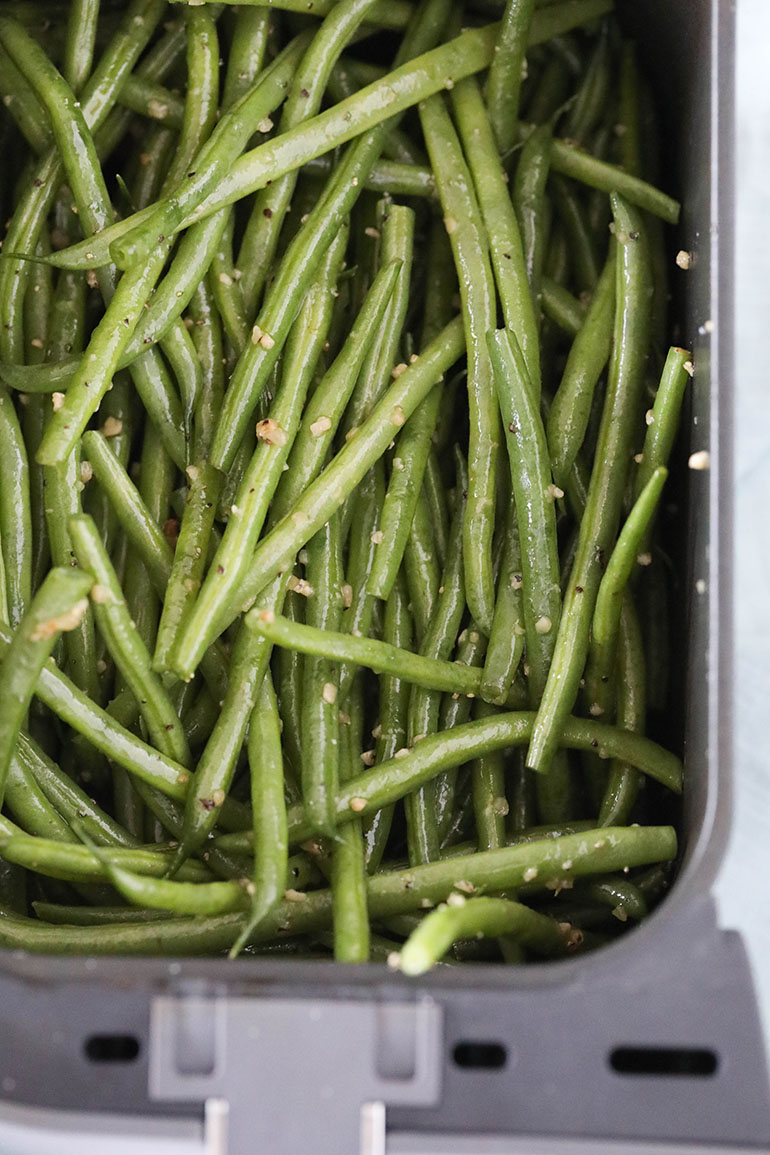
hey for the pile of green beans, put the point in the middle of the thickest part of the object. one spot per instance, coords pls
(335, 418)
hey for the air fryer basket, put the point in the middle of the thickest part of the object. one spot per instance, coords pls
(656, 1038)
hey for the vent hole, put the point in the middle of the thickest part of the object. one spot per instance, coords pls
(690, 1061)
(112, 1048)
(480, 1056)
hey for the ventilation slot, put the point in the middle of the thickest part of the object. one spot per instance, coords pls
(112, 1048)
(689, 1061)
(480, 1056)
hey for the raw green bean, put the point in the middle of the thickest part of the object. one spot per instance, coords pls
(605, 496)
(57, 606)
(530, 205)
(462, 218)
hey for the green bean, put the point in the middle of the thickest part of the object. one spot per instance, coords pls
(561, 307)
(423, 576)
(217, 763)
(505, 238)
(288, 681)
(348, 877)
(153, 101)
(276, 434)
(327, 493)
(81, 39)
(624, 557)
(215, 155)
(76, 709)
(15, 512)
(625, 899)
(506, 641)
(394, 707)
(57, 606)
(394, 779)
(189, 559)
(97, 99)
(462, 217)
(624, 782)
(23, 105)
(271, 848)
(435, 502)
(248, 47)
(383, 658)
(61, 915)
(207, 335)
(200, 110)
(605, 496)
(579, 238)
(320, 684)
(664, 418)
(125, 644)
(179, 350)
(505, 73)
(326, 405)
(535, 497)
(30, 805)
(437, 643)
(488, 789)
(142, 530)
(530, 205)
(174, 292)
(591, 98)
(226, 288)
(455, 710)
(566, 158)
(387, 895)
(75, 863)
(405, 87)
(390, 177)
(357, 616)
(394, 14)
(302, 102)
(571, 408)
(68, 798)
(487, 917)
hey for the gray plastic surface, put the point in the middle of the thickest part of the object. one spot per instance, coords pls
(677, 981)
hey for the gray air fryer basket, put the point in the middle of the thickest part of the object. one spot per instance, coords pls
(654, 1040)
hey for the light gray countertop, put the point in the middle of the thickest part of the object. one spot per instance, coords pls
(741, 884)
